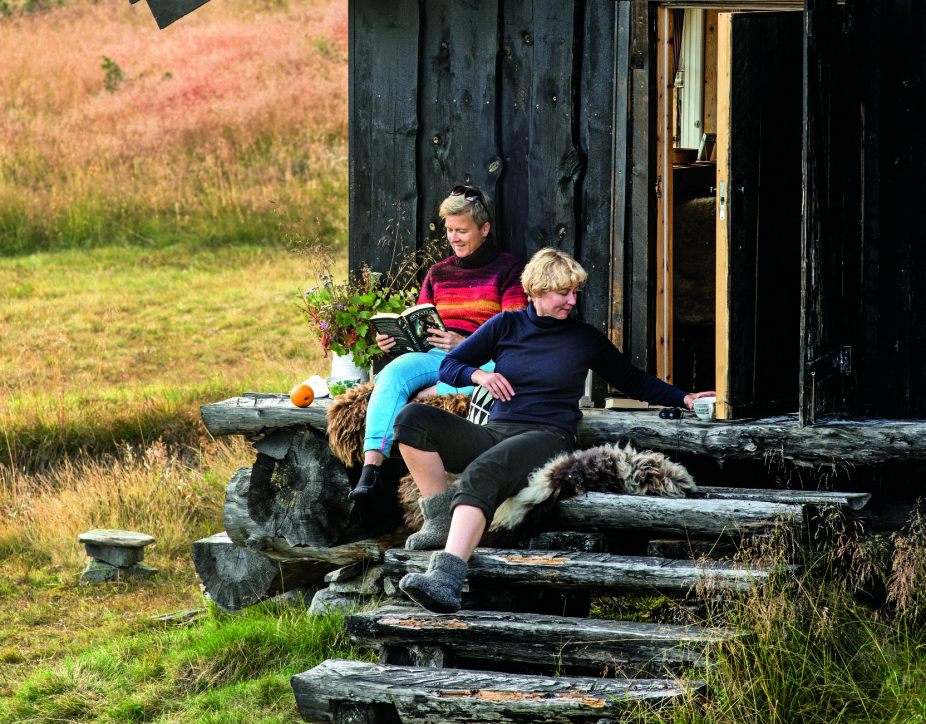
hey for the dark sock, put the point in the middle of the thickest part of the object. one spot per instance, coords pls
(369, 477)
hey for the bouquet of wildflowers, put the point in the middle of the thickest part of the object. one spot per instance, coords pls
(338, 314)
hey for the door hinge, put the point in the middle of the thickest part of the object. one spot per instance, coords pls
(659, 187)
(843, 360)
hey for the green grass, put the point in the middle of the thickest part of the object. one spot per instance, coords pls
(116, 345)
(220, 669)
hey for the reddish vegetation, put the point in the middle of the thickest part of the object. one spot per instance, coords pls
(230, 75)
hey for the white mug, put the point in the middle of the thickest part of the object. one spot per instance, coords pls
(704, 407)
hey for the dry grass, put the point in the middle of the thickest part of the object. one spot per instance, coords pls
(176, 496)
(203, 124)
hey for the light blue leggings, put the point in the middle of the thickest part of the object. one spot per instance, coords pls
(395, 385)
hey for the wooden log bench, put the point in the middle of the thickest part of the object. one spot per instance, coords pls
(352, 691)
(494, 640)
(862, 442)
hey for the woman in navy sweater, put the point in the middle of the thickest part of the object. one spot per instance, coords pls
(542, 357)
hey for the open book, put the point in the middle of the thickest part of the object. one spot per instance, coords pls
(410, 328)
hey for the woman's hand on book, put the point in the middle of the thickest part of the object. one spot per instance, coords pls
(385, 342)
(444, 340)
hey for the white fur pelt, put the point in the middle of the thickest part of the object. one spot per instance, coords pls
(603, 469)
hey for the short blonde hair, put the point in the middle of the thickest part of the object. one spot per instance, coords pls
(551, 269)
(480, 212)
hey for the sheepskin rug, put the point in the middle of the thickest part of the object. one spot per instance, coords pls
(603, 469)
(347, 419)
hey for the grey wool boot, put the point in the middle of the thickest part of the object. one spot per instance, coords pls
(439, 589)
(433, 534)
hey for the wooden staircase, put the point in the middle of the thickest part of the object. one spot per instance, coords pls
(495, 666)
(523, 648)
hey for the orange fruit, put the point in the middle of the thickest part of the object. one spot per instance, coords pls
(301, 395)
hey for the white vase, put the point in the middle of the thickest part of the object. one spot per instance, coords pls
(343, 368)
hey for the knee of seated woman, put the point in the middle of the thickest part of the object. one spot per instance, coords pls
(406, 368)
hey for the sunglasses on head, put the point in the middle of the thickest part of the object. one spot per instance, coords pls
(469, 193)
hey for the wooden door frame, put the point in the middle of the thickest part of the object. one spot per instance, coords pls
(722, 408)
(665, 128)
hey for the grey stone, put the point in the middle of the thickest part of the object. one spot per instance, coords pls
(369, 584)
(391, 588)
(327, 601)
(102, 572)
(116, 538)
(115, 556)
(296, 598)
(346, 573)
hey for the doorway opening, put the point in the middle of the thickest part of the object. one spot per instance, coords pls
(729, 193)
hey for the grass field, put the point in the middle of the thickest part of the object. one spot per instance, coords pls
(150, 184)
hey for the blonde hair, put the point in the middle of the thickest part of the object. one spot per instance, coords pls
(479, 212)
(551, 269)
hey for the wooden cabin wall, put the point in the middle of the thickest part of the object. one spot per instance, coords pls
(527, 101)
(890, 36)
(870, 190)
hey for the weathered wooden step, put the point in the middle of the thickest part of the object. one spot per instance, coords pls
(695, 517)
(549, 641)
(414, 695)
(850, 501)
(597, 572)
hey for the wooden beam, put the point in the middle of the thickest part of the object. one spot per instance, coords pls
(579, 643)
(692, 517)
(420, 695)
(722, 311)
(565, 570)
(710, 72)
(665, 131)
(862, 442)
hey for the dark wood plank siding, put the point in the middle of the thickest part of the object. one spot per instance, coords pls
(517, 98)
(620, 177)
(596, 108)
(383, 126)
(865, 183)
(894, 357)
(516, 93)
(457, 109)
(554, 161)
(639, 235)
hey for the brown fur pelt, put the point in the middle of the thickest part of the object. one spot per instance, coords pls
(348, 414)
(603, 469)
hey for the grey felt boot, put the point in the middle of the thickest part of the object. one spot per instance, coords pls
(439, 589)
(433, 534)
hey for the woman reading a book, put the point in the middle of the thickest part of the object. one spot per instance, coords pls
(468, 288)
(542, 357)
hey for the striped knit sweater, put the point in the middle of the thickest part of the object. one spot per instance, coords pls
(469, 291)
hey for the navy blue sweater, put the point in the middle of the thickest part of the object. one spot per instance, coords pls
(546, 360)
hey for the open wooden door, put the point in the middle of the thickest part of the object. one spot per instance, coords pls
(759, 197)
(828, 315)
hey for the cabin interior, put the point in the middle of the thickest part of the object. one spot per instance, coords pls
(728, 241)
